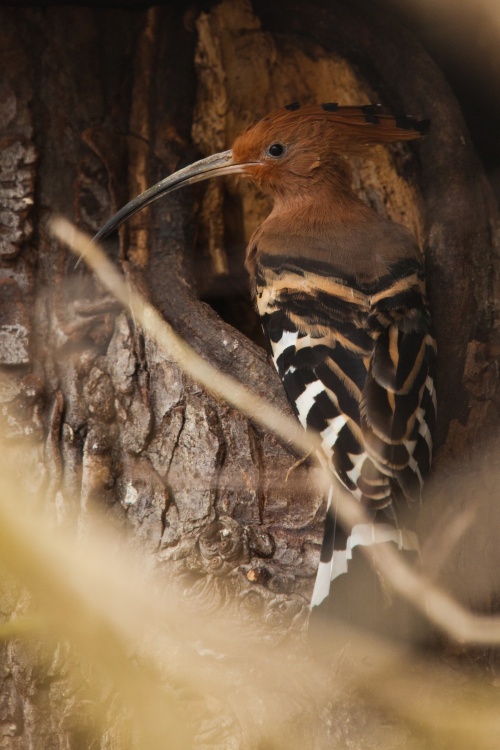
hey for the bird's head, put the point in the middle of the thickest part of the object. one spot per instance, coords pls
(288, 151)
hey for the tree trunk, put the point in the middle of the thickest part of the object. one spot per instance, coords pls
(97, 104)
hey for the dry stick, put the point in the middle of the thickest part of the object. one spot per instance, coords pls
(446, 613)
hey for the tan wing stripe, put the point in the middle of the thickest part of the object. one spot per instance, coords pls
(318, 331)
(415, 370)
(350, 384)
(398, 287)
(313, 283)
(393, 346)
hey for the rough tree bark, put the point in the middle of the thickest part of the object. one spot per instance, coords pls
(89, 119)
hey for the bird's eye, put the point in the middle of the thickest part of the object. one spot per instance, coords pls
(275, 150)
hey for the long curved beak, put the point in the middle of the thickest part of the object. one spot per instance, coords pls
(212, 166)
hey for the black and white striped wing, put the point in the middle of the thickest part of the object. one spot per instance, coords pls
(357, 363)
(398, 407)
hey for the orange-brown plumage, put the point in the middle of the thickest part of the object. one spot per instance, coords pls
(317, 139)
(311, 184)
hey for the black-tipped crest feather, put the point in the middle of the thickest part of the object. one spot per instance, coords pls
(361, 123)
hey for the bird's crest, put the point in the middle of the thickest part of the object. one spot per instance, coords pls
(362, 124)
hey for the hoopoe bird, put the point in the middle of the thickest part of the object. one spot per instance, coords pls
(341, 295)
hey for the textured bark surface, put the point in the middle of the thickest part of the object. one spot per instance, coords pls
(99, 415)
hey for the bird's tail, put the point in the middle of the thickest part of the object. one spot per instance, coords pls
(348, 588)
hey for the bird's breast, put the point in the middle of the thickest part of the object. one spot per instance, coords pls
(359, 252)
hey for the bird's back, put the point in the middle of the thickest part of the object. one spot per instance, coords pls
(346, 317)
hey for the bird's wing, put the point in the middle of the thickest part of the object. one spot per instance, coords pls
(357, 364)
(398, 406)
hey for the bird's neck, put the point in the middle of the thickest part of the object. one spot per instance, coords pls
(325, 226)
(315, 209)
